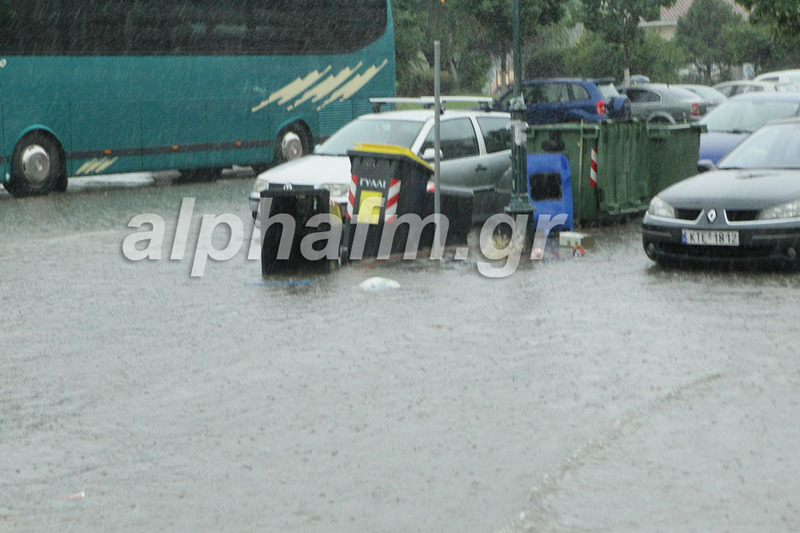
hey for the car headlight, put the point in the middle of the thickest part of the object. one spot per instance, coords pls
(660, 208)
(336, 189)
(781, 211)
(260, 185)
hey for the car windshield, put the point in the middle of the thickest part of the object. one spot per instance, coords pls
(745, 116)
(772, 146)
(608, 90)
(390, 131)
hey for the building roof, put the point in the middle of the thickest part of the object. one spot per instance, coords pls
(678, 9)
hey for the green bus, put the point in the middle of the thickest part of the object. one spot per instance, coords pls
(117, 86)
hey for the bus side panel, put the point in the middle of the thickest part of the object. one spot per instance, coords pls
(106, 137)
(174, 134)
(237, 135)
(335, 115)
(20, 118)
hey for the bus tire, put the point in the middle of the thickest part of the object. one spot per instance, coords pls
(293, 143)
(196, 175)
(37, 166)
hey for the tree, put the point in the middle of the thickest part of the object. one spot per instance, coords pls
(782, 17)
(617, 21)
(495, 23)
(653, 57)
(700, 33)
(409, 21)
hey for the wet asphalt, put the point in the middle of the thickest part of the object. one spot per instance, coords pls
(580, 393)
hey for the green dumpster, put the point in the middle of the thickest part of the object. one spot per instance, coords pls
(617, 167)
(673, 151)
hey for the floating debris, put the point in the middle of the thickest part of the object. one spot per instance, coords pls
(379, 284)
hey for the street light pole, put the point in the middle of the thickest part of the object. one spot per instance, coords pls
(519, 198)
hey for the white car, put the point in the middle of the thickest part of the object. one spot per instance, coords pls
(475, 154)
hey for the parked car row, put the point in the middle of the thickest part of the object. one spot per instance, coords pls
(560, 100)
(741, 115)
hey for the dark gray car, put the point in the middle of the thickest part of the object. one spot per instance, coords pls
(748, 210)
(660, 102)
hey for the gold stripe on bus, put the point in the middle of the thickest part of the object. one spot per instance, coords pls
(86, 167)
(354, 85)
(325, 87)
(106, 164)
(95, 165)
(287, 92)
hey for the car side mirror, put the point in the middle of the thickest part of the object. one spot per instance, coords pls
(430, 154)
(705, 165)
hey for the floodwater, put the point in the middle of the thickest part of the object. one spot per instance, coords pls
(580, 394)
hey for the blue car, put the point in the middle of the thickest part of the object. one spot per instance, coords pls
(559, 100)
(733, 120)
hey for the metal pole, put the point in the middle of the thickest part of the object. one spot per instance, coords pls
(437, 196)
(517, 12)
(519, 198)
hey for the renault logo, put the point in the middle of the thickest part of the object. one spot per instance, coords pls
(712, 215)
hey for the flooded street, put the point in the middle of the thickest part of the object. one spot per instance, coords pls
(580, 394)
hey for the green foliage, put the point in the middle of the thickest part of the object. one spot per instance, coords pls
(409, 22)
(496, 18)
(700, 33)
(617, 21)
(658, 59)
(418, 23)
(545, 62)
(780, 17)
(471, 32)
(652, 56)
(420, 83)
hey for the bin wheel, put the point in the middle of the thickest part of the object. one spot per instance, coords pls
(37, 166)
(293, 143)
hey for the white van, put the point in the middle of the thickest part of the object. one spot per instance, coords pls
(791, 77)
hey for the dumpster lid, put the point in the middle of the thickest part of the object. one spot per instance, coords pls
(388, 149)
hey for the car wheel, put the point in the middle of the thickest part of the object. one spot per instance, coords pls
(660, 120)
(37, 166)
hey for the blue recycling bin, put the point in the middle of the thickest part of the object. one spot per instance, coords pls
(550, 188)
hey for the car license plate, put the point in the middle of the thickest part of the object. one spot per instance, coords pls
(710, 238)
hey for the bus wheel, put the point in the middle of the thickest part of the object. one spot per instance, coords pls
(195, 175)
(293, 143)
(37, 166)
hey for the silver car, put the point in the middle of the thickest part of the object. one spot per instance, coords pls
(475, 154)
(660, 102)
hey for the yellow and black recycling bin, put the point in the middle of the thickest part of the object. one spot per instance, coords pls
(387, 183)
